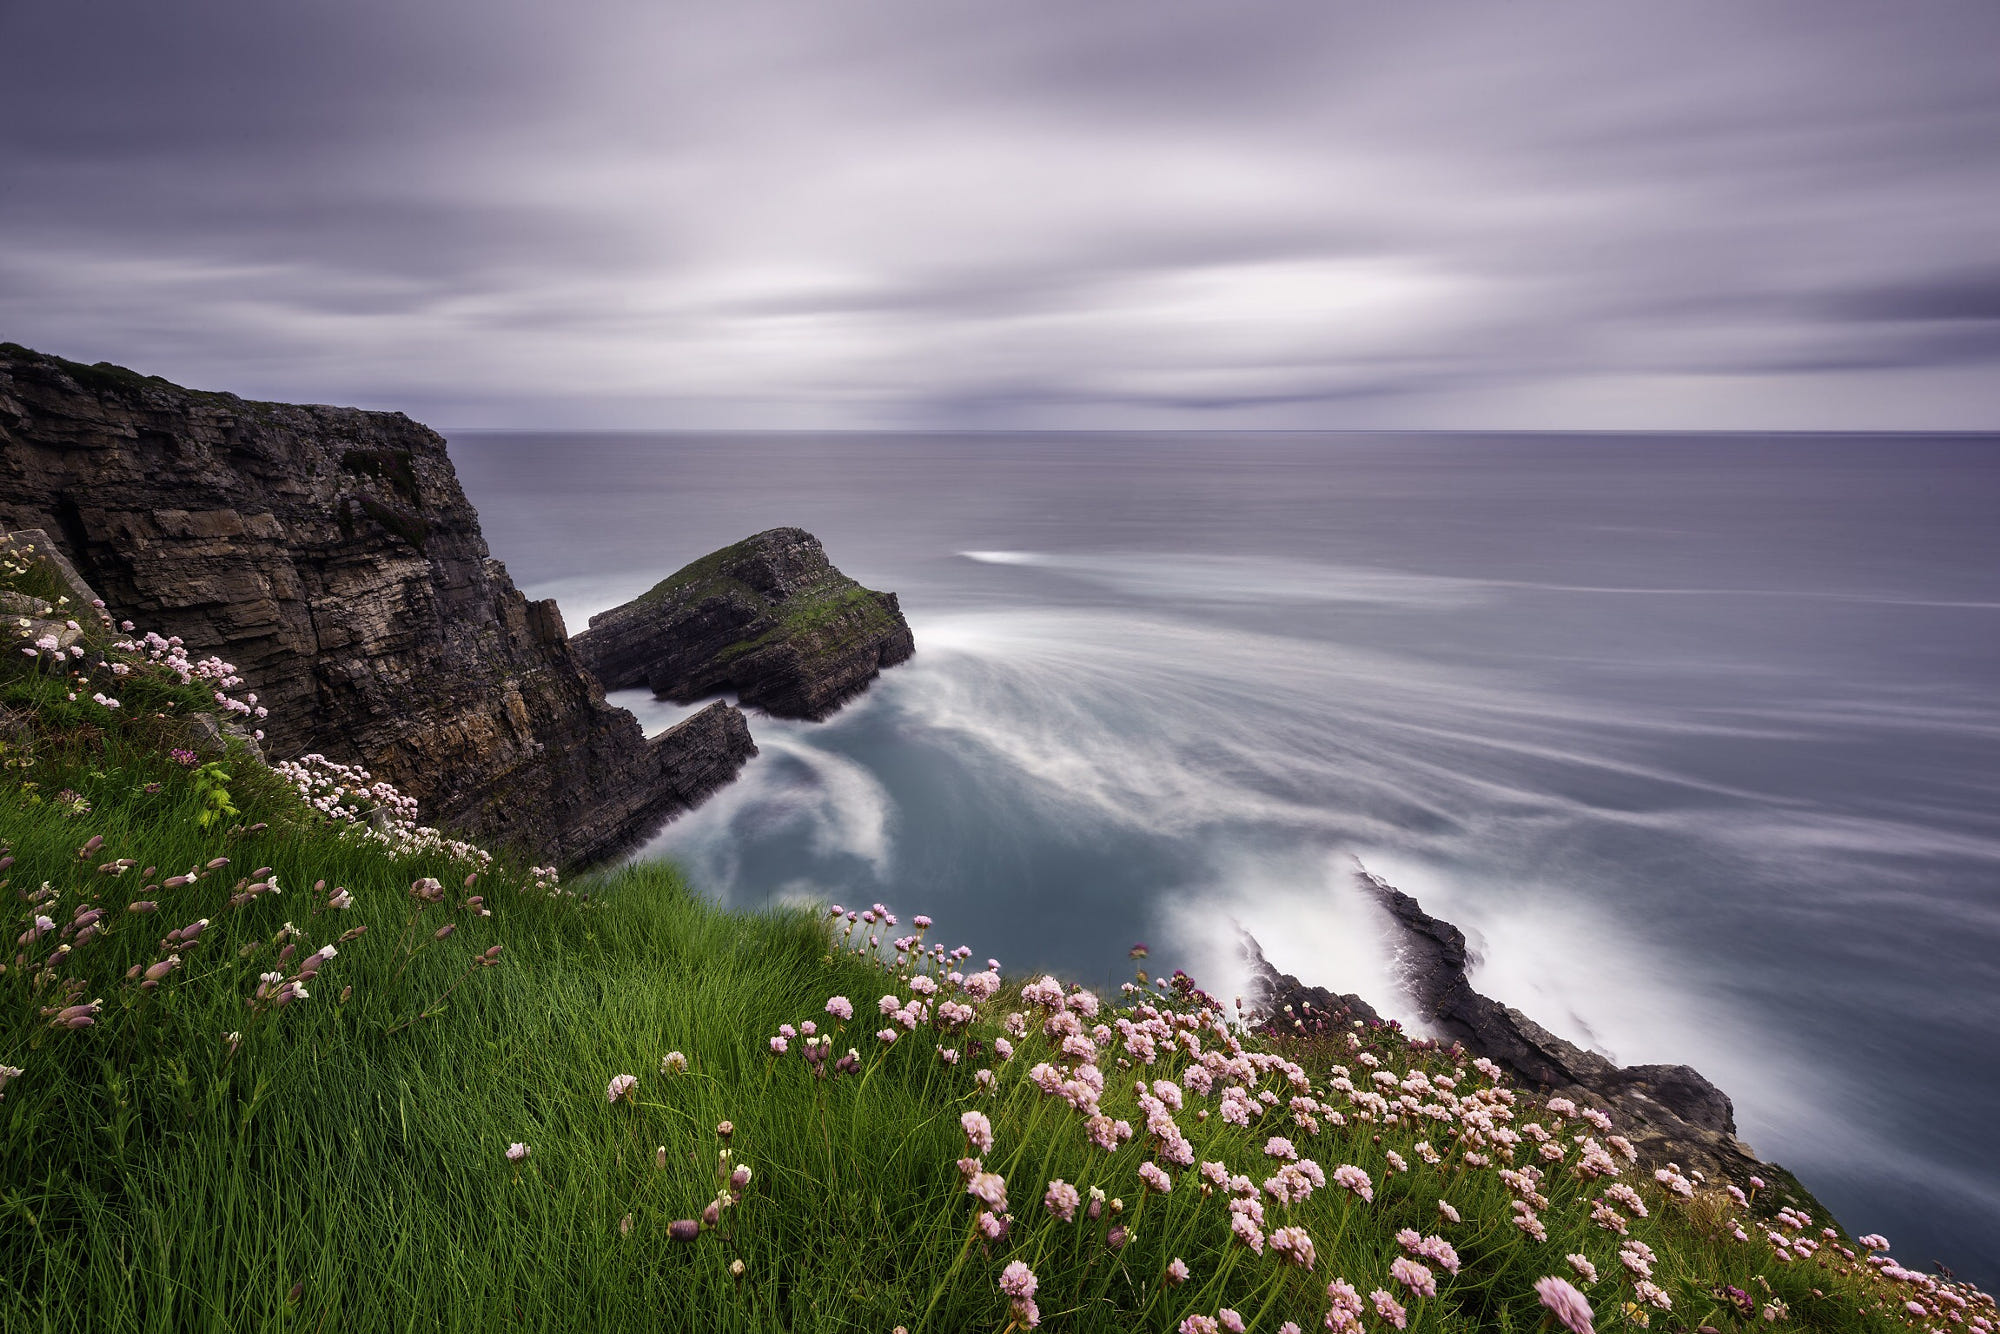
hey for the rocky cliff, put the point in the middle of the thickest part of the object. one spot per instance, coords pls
(769, 618)
(1670, 1112)
(332, 556)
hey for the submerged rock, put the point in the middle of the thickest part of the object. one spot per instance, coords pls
(769, 618)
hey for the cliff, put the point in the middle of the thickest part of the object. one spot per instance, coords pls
(769, 618)
(331, 554)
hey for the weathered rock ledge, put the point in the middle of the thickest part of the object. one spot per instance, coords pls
(331, 554)
(1669, 1112)
(769, 618)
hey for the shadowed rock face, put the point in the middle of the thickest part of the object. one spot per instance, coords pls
(769, 618)
(1669, 1112)
(332, 556)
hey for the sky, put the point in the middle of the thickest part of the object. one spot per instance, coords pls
(927, 214)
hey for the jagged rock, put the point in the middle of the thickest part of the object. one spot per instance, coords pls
(331, 555)
(769, 618)
(1289, 1004)
(1669, 1112)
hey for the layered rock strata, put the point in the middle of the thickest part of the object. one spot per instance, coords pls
(769, 618)
(1669, 1112)
(331, 554)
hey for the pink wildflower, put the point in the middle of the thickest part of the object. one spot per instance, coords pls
(517, 1151)
(1349, 1177)
(1061, 1200)
(1177, 1272)
(1277, 1146)
(990, 1188)
(1417, 1278)
(1562, 1299)
(1293, 1244)
(1229, 1320)
(1154, 1178)
(1198, 1324)
(1389, 1309)
(1017, 1280)
(620, 1087)
(978, 1131)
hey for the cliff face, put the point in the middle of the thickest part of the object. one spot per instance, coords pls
(769, 618)
(332, 556)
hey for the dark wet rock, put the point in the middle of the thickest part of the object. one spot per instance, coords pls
(1289, 1005)
(1671, 1113)
(769, 618)
(331, 555)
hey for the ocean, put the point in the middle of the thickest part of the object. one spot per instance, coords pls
(1697, 737)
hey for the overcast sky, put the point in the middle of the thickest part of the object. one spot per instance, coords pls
(1086, 213)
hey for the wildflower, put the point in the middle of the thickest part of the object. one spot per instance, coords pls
(1444, 1207)
(1389, 1309)
(1584, 1268)
(978, 1131)
(1417, 1278)
(1349, 1177)
(886, 1036)
(8, 1072)
(1244, 1229)
(1198, 1324)
(1017, 1280)
(517, 1151)
(620, 1087)
(1277, 1146)
(1061, 1199)
(683, 1229)
(1293, 1244)
(1177, 1273)
(1117, 1236)
(840, 1008)
(673, 1063)
(1653, 1295)
(991, 1227)
(1229, 1320)
(1154, 1178)
(990, 1189)
(1565, 1303)
(724, 1129)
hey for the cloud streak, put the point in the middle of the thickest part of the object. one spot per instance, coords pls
(939, 214)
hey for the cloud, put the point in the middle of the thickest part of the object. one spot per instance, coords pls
(906, 214)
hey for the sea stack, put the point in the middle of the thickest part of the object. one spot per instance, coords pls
(769, 618)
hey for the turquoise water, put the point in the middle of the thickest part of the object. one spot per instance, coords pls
(1694, 736)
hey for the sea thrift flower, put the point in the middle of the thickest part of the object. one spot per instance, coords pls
(1154, 1178)
(1277, 1146)
(620, 1087)
(1017, 1280)
(1177, 1272)
(1293, 1244)
(1229, 1320)
(1417, 1278)
(840, 1008)
(978, 1131)
(1349, 1177)
(1565, 1303)
(683, 1229)
(1389, 1309)
(1198, 1324)
(517, 1151)
(1061, 1200)
(673, 1063)
(1653, 1295)
(1584, 1268)
(1444, 1207)
(990, 1188)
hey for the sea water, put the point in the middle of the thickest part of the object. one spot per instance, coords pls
(1696, 737)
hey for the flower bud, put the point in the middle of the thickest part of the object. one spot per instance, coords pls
(683, 1229)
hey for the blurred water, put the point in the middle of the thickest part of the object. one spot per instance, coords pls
(1694, 736)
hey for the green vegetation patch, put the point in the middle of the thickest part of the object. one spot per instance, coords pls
(287, 1061)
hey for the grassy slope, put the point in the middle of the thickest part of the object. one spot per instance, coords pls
(344, 1167)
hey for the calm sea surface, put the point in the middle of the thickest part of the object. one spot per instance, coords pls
(1698, 738)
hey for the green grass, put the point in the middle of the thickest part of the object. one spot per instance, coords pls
(342, 1165)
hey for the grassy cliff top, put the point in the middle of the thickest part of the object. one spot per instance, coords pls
(272, 1056)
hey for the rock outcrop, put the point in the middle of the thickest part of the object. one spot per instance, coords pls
(332, 556)
(1669, 1112)
(769, 618)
